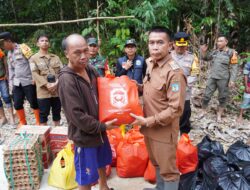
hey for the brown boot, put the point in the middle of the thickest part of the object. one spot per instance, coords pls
(11, 116)
(3, 119)
(21, 116)
(36, 113)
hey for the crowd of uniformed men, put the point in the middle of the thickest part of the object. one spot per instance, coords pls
(164, 80)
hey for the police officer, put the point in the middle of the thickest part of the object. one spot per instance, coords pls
(222, 75)
(164, 89)
(189, 64)
(20, 77)
(45, 68)
(98, 62)
(131, 64)
(4, 91)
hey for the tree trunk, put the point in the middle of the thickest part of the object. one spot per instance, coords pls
(59, 2)
(14, 10)
(77, 10)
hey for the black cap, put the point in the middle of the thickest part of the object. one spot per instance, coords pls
(181, 39)
(5, 35)
(130, 42)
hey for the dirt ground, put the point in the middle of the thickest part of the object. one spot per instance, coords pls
(226, 132)
(114, 181)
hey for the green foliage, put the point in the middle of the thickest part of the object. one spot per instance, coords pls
(245, 57)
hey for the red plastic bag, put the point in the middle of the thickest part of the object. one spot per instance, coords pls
(114, 157)
(132, 155)
(114, 137)
(186, 155)
(118, 97)
(150, 174)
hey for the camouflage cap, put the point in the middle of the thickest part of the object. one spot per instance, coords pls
(92, 41)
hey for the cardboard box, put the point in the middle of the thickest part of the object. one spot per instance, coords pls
(59, 133)
(58, 139)
(42, 131)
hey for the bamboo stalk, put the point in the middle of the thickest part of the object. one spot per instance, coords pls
(97, 21)
(66, 21)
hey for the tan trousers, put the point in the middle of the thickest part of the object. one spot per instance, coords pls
(163, 155)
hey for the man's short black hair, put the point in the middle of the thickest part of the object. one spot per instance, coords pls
(42, 35)
(162, 29)
(223, 35)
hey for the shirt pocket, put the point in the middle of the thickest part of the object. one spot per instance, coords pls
(43, 68)
(18, 56)
(158, 89)
(186, 68)
(225, 59)
(56, 66)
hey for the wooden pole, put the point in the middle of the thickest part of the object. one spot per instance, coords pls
(66, 21)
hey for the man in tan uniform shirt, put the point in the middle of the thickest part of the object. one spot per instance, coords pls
(164, 90)
(45, 68)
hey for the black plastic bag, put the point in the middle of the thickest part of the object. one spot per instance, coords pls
(213, 168)
(246, 173)
(188, 181)
(232, 181)
(208, 148)
(239, 153)
(198, 186)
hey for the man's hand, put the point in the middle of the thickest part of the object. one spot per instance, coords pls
(204, 48)
(52, 87)
(127, 65)
(231, 84)
(139, 120)
(109, 124)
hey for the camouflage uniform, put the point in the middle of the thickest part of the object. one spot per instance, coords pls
(222, 71)
(100, 64)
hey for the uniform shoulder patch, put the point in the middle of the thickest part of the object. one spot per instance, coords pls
(27, 52)
(175, 87)
(174, 65)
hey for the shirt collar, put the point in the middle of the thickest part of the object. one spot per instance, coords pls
(134, 57)
(163, 61)
(44, 56)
